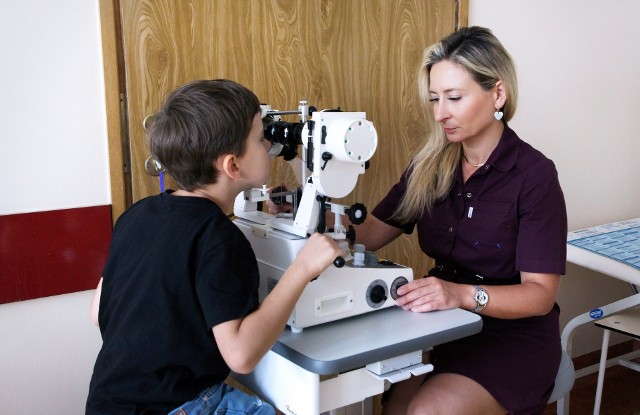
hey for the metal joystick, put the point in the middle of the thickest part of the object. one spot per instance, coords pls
(358, 255)
(339, 262)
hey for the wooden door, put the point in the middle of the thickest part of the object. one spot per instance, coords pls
(360, 55)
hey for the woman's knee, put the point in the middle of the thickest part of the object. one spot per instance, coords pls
(453, 394)
(396, 399)
(427, 403)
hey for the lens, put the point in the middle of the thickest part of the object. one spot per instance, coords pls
(289, 135)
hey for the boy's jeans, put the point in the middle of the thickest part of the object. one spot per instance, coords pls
(224, 399)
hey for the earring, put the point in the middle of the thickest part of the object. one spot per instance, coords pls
(498, 114)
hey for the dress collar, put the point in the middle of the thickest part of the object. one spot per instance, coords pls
(505, 155)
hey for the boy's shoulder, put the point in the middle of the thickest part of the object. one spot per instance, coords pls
(134, 208)
(165, 207)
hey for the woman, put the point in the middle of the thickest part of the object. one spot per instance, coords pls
(489, 209)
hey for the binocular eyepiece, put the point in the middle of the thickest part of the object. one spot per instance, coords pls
(287, 134)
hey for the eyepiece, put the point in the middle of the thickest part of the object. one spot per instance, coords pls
(289, 135)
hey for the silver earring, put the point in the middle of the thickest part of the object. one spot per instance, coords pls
(498, 114)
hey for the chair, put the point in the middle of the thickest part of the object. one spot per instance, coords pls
(626, 322)
(564, 379)
(586, 318)
(566, 372)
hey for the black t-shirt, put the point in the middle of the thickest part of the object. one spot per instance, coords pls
(177, 267)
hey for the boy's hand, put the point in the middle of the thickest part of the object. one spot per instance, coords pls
(317, 254)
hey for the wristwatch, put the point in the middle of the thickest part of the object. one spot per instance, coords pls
(481, 297)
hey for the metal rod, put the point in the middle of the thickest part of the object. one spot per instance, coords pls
(290, 112)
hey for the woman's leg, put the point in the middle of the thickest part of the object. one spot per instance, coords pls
(396, 400)
(449, 393)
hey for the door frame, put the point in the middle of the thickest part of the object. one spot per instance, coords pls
(115, 104)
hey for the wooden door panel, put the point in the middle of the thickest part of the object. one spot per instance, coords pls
(361, 55)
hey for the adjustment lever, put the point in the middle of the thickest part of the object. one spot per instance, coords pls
(357, 213)
(326, 156)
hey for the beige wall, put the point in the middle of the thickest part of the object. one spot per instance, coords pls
(579, 104)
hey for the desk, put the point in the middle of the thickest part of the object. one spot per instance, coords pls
(626, 322)
(605, 263)
(324, 367)
(611, 249)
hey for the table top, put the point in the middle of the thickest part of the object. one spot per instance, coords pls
(625, 322)
(615, 261)
(354, 342)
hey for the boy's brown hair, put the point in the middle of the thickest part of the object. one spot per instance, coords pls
(199, 122)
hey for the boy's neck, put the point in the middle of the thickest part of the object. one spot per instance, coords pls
(221, 197)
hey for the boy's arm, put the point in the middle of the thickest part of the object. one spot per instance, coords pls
(243, 342)
(95, 303)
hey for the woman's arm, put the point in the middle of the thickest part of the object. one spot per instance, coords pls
(374, 233)
(534, 296)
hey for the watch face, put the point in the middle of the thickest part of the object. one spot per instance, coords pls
(481, 297)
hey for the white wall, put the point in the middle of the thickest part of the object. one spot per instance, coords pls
(53, 155)
(47, 350)
(52, 106)
(578, 63)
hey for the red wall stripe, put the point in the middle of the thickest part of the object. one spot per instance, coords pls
(54, 252)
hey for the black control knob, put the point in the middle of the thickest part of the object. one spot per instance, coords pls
(378, 294)
(397, 283)
(357, 213)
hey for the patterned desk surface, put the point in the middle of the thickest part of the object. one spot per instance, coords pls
(619, 241)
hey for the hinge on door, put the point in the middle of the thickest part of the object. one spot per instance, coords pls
(126, 142)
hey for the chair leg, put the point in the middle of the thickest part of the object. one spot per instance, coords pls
(601, 370)
(562, 405)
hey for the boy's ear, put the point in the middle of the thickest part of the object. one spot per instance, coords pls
(228, 165)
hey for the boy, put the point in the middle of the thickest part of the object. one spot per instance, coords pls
(178, 302)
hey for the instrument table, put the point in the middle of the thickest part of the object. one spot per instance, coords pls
(324, 367)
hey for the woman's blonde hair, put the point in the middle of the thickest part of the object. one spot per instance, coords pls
(432, 171)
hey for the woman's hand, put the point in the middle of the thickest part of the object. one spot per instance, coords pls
(278, 204)
(431, 293)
